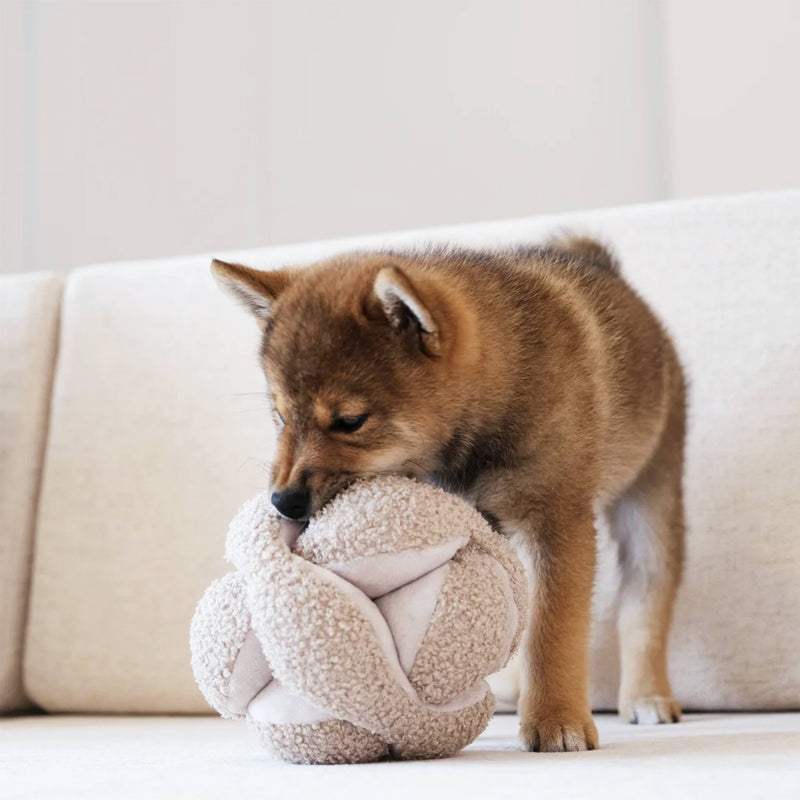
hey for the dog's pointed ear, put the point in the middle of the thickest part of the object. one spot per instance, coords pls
(406, 309)
(255, 289)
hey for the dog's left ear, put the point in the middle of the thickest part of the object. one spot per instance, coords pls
(407, 310)
(255, 289)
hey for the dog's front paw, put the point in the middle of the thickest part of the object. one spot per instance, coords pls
(558, 733)
(649, 710)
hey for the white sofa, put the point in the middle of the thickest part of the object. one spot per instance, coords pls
(133, 423)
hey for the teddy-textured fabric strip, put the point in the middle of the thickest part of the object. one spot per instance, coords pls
(472, 635)
(484, 538)
(332, 742)
(217, 633)
(384, 515)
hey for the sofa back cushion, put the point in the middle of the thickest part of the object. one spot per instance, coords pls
(28, 325)
(160, 430)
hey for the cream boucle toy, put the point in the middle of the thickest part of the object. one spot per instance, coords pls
(367, 635)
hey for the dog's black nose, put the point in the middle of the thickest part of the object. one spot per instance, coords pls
(292, 503)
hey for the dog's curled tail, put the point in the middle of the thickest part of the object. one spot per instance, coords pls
(587, 249)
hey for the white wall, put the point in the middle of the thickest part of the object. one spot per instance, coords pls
(12, 126)
(733, 94)
(134, 129)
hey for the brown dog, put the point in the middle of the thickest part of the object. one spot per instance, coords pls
(536, 384)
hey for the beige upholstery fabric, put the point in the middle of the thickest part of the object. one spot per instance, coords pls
(153, 448)
(731, 756)
(28, 325)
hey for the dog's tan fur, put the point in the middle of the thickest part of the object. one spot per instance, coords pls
(536, 384)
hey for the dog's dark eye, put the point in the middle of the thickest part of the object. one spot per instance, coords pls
(348, 424)
(280, 417)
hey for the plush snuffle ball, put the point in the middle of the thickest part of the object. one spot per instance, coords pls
(366, 634)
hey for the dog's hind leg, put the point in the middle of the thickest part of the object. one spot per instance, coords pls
(647, 521)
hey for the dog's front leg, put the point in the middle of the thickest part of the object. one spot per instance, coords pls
(558, 548)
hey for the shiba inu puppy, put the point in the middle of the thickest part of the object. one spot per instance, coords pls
(533, 382)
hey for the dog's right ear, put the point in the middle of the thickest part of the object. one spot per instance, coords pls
(255, 289)
(406, 309)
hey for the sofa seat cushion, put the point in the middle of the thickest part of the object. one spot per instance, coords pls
(714, 755)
